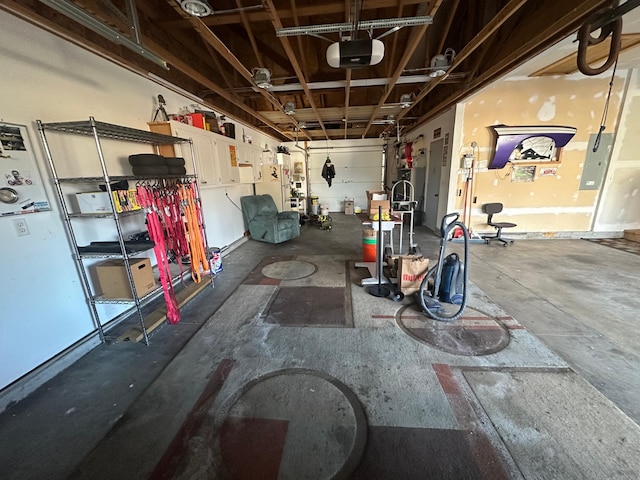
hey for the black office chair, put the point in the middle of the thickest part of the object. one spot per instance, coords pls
(490, 209)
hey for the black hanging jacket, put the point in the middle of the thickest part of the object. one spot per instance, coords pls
(328, 172)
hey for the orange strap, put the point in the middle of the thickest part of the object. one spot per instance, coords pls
(193, 233)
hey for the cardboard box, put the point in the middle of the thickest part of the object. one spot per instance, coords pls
(94, 202)
(370, 194)
(374, 204)
(113, 281)
(411, 271)
(348, 207)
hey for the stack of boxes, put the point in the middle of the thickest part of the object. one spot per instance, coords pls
(375, 199)
(349, 207)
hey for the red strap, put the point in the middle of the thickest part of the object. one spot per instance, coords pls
(146, 199)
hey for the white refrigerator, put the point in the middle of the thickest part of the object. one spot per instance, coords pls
(276, 181)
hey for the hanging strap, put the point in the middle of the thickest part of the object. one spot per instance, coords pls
(193, 232)
(169, 210)
(146, 199)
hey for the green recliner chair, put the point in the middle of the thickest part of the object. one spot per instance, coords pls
(265, 223)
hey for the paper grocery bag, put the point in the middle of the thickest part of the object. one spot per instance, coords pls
(411, 271)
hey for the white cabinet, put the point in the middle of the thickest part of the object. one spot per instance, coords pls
(204, 150)
(250, 155)
(227, 160)
(284, 159)
(217, 156)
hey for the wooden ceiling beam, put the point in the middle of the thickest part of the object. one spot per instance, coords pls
(184, 67)
(212, 39)
(55, 24)
(249, 30)
(296, 23)
(413, 42)
(447, 27)
(222, 71)
(394, 43)
(275, 20)
(507, 12)
(567, 21)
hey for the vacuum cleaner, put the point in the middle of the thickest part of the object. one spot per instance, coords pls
(450, 276)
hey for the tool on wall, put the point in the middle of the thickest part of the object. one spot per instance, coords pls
(160, 109)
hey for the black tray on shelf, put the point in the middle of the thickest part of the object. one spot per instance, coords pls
(114, 247)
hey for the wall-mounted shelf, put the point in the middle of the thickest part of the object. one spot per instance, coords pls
(510, 138)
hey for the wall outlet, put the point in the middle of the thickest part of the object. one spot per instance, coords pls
(20, 226)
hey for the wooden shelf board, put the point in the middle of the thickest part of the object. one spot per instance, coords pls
(158, 316)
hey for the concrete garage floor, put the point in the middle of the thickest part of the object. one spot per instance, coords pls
(246, 387)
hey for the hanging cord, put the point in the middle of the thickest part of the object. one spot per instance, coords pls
(596, 143)
(145, 198)
(506, 175)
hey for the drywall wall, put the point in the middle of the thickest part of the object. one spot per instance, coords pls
(550, 203)
(44, 77)
(620, 202)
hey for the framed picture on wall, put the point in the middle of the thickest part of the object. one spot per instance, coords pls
(523, 173)
(21, 187)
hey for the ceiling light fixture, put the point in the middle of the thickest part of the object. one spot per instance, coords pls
(262, 77)
(289, 108)
(407, 99)
(441, 63)
(197, 8)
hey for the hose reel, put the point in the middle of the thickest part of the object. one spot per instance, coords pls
(613, 29)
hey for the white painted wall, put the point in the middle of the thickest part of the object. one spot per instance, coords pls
(446, 123)
(619, 205)
(44, 310)
(358, 165)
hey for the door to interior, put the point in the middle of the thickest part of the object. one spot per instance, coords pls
(432, 194)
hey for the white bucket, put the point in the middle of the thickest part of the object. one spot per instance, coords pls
(324, 209)
(314, 209)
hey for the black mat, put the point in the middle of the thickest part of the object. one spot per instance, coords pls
(308, 307)
(618, 243)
